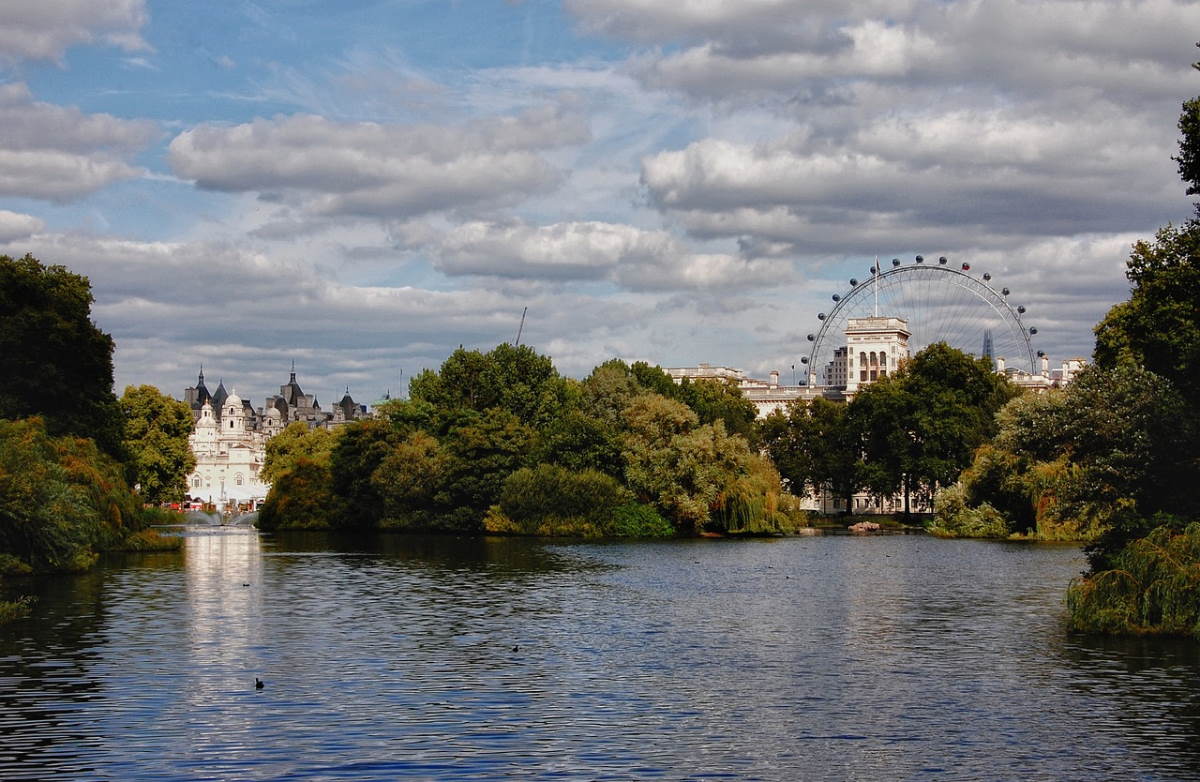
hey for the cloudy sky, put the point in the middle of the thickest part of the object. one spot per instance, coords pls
(363, 186)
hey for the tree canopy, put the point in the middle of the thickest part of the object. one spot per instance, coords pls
(56, 363)
(158, 456)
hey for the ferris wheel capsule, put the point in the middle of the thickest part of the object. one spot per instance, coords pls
(987, 277)
(966, 267)
(812, 337)
(942, 260)
(1032, 330)
(920, 259)
(820, 316)
(836, 297)
(804, 359)
(1021, 310)
(895, 262)
(853, 282)
(1004, 291)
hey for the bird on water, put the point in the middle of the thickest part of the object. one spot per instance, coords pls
(258, 683)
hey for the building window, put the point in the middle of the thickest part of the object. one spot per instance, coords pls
(195, 483)
(238, 479)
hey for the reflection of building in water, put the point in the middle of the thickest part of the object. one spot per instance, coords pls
(229, 437)
(224, 617)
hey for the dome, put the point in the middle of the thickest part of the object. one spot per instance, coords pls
(206, 417)
(233, 400)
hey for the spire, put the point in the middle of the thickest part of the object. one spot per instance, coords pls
(988, 348)
(292, 379)
(201, 376)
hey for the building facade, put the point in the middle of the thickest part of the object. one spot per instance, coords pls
(229, 437)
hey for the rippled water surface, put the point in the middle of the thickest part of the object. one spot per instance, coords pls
(874, 658)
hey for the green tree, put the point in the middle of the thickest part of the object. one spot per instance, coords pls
(481, 456)
(297, 441)
(358, 451)
(719, 400)
(815, 448)
(1189, 144)
(1159, 326)
(62, 500)
(302, 497)
(412, 481)
(676, 464)
(921, 426)
(156, 429)
(57, 364)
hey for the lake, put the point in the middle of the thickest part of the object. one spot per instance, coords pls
(825, 657)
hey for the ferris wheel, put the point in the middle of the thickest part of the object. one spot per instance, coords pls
(940, 302)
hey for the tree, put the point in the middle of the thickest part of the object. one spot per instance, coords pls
(1159, 326)
(814, 448)
(921, 426)
(156, 429)
(56, 363)
(296, 442)
(1189, 144)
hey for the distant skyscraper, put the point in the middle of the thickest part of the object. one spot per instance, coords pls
(988, 350)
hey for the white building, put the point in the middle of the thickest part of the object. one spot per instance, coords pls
(874, 348)
(229, 456)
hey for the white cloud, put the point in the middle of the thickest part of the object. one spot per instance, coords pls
(373, 169)
(738, 51)
(45, 29)
(950, 180)
(18, 226)
(631, 257)
(59, 153)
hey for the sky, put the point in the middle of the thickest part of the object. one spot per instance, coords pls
(361, 187)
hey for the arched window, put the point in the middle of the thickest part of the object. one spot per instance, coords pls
(238, 479)
(862, 358)
(195, 483)
(883, 360)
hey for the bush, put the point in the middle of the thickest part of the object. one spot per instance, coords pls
(1153, 587)
(61, 499)
(635, 520)
(552, 500)
(954, 518)
(12, 610)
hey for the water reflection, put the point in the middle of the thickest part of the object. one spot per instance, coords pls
(393, 657)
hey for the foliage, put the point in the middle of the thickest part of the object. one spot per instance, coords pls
(1159, 326)
(515, 379)
(499, 442)
(955, 518)
(754, 503)
(552, 500)
(149, 540)
(57, 364)
(411, 482)
(297, 441)
(155, 441)
(61, 499)
(719, 400)
(301, 498)
(676, 464)
(12, 610)
(635, 520)
(1153, 586)
(911, 431)
(357, 452)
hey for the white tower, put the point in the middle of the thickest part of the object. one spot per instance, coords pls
(874, 349)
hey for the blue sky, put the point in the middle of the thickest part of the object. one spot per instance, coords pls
(364, 186)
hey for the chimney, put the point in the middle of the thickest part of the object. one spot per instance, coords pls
(774, 378)
(1046, 366)
(1000, 365)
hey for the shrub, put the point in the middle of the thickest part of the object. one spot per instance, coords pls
(61, 498)
(954, 518)
(552, 500)
(12, 610)
(635, 520)
(1153, 587)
